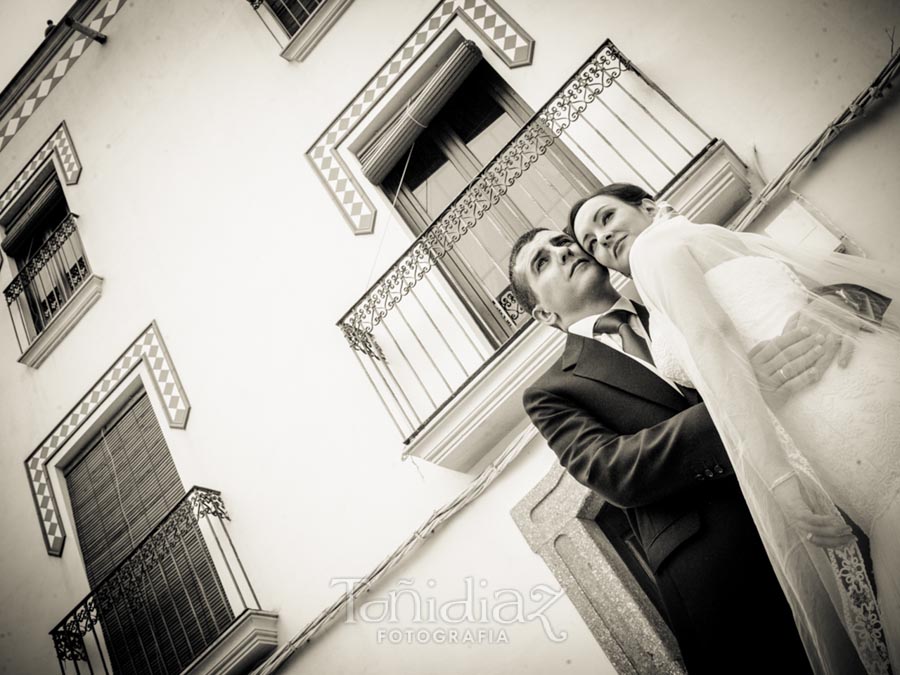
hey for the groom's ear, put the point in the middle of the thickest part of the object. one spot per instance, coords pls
(544, 316)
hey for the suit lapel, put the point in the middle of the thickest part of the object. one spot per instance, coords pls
(594, 360)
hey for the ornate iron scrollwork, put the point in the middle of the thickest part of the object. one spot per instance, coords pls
(464, 213)
(362, 341)
(127, 583)
(39, 260)
(69, 644)
(208, 502)
(509, 307)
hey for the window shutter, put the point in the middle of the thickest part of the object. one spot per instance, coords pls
(122, 488)
(47, 199)
(394, 140)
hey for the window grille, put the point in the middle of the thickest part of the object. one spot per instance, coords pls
(292, 14)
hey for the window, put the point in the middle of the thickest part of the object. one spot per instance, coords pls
(293, 14)
(121, 488)
(44, 245)
(298, 25)
(478, 121)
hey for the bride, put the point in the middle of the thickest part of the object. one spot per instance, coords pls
(833, 447)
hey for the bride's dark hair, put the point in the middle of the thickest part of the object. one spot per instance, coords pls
(632, 195)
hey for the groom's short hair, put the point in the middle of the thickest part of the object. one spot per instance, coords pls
(521, 289)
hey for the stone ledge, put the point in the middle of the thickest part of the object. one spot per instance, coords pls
(87, 294)
(314, 30)
(248, 640)
(556, 518)
(713, 189)
(471, 427)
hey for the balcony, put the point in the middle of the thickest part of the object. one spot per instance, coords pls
(51, 292)
(180, 603)
(440, 336)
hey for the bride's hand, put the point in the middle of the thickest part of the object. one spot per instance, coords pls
(831, 318)
(827, 531)
(788, 363)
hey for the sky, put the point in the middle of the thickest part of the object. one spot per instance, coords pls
(22, 24)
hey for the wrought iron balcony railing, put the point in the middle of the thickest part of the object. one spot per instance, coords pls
(157, 612)
(419, 354)
(46, 282)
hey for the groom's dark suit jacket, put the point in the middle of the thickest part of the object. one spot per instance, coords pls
(623, 431)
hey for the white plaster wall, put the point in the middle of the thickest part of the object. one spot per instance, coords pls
(483, 544)
(200, 210)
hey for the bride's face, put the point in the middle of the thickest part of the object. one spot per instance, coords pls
(606, 227)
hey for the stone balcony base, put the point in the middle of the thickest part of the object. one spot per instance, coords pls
(251, 638)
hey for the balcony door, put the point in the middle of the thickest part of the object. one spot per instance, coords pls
(476, 124)
(120, 489)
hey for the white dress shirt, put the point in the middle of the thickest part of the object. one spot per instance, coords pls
(585, 328)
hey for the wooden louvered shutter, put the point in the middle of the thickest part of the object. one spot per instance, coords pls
(121, 489)
(31, 225)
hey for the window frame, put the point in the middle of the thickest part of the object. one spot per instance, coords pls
(37, 342)
(40, 228)
(75, 446)
(112, 526)
(298, 45)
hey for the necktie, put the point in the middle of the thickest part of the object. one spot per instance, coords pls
(617, 323)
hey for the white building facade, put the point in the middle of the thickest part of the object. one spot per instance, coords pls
(380, 157)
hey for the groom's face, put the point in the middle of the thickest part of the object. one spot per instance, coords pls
(564, 280)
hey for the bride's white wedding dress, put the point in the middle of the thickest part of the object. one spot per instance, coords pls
(843, 431)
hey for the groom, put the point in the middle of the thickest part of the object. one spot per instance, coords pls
(649, 446)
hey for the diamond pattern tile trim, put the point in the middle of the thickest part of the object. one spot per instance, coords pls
(56, 72)
(149, 348)
(60, 142)
(506, 38)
